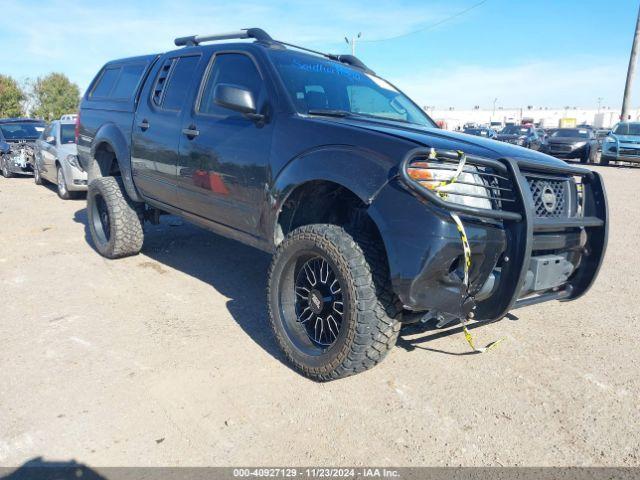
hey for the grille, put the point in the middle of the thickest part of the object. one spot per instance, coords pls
(560, 148)
(549, 197)
(630, 151)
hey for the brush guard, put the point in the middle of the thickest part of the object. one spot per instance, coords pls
(527, 232)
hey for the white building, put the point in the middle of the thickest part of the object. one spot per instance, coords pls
(548, 117)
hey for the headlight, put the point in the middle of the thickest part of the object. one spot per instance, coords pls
(73, 161)
(579, 144)
(609, 140)
(468, 190)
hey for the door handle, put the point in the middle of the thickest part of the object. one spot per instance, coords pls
(144, 125)
(191, 132)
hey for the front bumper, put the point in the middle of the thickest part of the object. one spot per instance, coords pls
(18, 163)
(509, 247)
(76, 179)
(561, 151)
(621, 152)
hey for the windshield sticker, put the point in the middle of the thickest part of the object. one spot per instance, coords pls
(381, 83)
(326, 68)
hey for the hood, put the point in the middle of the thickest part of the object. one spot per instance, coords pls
(446, 140)
(627, 138)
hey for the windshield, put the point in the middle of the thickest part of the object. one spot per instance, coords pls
(67, 133)
(627, 129)
(316, 85)
(571, 132)
(21, 130)
(515, 130)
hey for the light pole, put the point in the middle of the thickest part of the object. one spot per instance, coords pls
(352, 42)
(626, 100)
(495, 100)
(599, 103)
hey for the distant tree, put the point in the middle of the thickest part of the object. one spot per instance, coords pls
(54, 95)
(11, 97)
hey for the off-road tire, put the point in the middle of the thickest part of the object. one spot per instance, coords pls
(372, 309)
(125, 219)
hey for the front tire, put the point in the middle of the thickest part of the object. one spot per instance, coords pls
(37, 178)
(115, 221)
(63, 191)
(330, 302)
(604, 160)
(6, 173)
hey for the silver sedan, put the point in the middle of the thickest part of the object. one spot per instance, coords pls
(56, 159)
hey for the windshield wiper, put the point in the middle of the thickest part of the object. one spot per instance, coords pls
(329, 112)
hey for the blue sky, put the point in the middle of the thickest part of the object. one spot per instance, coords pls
(524, 52)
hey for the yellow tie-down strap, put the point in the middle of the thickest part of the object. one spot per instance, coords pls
(465, 247)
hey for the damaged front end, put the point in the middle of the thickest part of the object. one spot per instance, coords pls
(539, 233)
(20, 156)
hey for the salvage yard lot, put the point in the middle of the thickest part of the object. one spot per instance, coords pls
(166, 359)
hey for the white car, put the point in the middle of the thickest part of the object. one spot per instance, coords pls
(56, 159)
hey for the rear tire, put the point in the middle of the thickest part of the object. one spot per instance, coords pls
(367, 326)
(115, 221)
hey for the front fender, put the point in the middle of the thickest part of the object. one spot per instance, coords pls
(110, 134)
(362, 171)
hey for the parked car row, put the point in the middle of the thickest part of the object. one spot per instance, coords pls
(622, 143)
(48, 152)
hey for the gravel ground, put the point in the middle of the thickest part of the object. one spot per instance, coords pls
(166, 359)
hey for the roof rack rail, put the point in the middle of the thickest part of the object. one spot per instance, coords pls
(193, 40)
(262, 36)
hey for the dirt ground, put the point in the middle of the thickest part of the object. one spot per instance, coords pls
(166, 359)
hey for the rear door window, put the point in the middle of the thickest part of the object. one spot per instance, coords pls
(179, 82)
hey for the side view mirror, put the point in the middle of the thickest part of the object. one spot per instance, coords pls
(51, 140)
(236, 98)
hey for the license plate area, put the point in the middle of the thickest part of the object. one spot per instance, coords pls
(548, 271)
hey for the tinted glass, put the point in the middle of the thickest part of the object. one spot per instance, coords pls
(515, 130)
(127, 81)
(106, 82)
(67, 133)
(627, 129)
(338, 86)
(21, 131)
(571, 133)
(234, 69)
(179, 83)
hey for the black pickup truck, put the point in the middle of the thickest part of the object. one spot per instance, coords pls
(351, 186)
